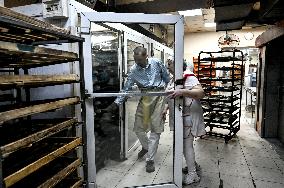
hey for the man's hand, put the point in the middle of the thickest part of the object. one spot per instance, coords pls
(175, 93)
(112, 108)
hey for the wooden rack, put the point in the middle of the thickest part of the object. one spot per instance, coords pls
(15, 55)
(51, 146)
(16, 27)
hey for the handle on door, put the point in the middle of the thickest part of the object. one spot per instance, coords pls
(126, 94)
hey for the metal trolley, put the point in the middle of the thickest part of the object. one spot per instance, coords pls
(222, 104)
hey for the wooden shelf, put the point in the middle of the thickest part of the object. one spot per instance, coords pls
(15, 55)
(15, 81)
(221, 68)
(25, 29)
(61, 175)
(219, 79)
(78, 184)
(36, 137)
(220, 59)
(27, 170)
(43, 106)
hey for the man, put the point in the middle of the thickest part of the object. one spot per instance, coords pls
(149, 74)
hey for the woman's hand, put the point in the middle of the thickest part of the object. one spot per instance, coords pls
(175, 93)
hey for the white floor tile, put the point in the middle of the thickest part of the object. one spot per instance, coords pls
(169, 160)
(236, 182)
(261, 162)
(163, 151)
(108, 179)
(264, 184)
(131, 180)
(234, 169)
(280, 164)
(208, 165)
(165, 174)
(122, 167)
(273, 175)
(235, 160)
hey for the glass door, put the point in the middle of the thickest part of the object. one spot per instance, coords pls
(115, 92)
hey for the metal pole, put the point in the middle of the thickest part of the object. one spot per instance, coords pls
(83, 113)
(251, 104)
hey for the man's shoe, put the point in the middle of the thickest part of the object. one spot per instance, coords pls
(190, 178)
(142, 153)
(185, 169)
(150, 166)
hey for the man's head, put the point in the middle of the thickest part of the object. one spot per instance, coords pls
(170, 64)
(140, 56)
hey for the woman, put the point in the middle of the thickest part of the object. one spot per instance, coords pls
(169, 104)
(193, 121)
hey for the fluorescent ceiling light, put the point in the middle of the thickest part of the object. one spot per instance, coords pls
(194, 12)
(210, 25)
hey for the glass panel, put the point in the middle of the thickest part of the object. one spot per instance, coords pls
(132, 103)
(167, 56)
(158, 54)
(105, 80)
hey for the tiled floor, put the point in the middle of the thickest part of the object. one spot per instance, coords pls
(131, 172)
(247, 161)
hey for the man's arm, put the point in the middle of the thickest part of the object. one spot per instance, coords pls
(164, 73)
(127, 87)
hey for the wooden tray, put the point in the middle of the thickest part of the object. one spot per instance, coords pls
(35, 107)
(15, 81)
(29, 169)
(17, 27)
(37, 136)
(21, 55)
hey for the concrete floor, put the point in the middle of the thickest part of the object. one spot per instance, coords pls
(247, 161)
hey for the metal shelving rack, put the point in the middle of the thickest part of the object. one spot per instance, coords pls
(222, 104)
(38, 152)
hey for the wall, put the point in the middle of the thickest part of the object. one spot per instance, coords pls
(271, 122)
(273, 61)
(281, 99)
(208, 41)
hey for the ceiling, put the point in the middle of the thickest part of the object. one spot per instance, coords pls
(196, 23)
(229, 14)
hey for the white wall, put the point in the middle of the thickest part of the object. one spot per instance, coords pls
(1, 2)
(208, 41)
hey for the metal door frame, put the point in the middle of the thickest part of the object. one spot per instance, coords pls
(178, 22)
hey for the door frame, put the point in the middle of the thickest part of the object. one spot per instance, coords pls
(178, 22)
